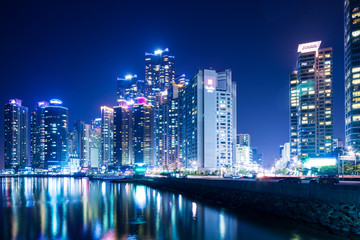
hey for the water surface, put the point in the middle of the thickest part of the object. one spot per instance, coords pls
(68, 208)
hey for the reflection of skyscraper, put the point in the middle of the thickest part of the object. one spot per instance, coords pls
(49, 135)
(16, 135)
(352, 73)
(314, 96)
(107, 136)
(159, 72)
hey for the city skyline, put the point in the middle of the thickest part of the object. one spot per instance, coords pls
(264, 141)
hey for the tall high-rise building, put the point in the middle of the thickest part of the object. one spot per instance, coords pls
(81, 142)
(209, 125)
(352, 73)
(95, 143)
(159, 72)
(49, 135)
(175, 123)
(294, 104)
(162, 129)
(38, 142)
(143, 132)
(122, 134)
(107, 136)
(16, 135)
(130, 87)
(243, 139)
(313, 96)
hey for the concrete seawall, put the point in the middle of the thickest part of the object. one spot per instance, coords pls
(335, 208)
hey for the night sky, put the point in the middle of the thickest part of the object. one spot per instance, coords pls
(74, 50)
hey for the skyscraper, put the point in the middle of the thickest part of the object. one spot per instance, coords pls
(162, 129)
(107, 136)
(130, 87)
(209, 125)
(82, 142)
(56, 134)
(313, 97)
(122, 134)
(159, 72)
(95, 143)
(143, 132)
(352, 73)
(38, 142)
(294, 104)
(49, 135)
(16, 135)
(175, 123)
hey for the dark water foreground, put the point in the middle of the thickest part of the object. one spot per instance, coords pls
(68, 208)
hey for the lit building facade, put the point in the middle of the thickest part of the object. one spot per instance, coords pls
(352, 73)
(49, 135)
(209, 122)
(37, 142)
(175, 123)
(159, 72)
(162, 129)
(122, 135)
(244, 160)
(243, 140)
(95, 143)
(130, 87)
(16, 137)
(81, 142)
(107, 136)
(314, 129)
(294, 104)
(142, 117)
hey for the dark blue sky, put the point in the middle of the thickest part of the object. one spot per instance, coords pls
(73, 50)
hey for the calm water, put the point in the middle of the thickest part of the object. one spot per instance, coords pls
(67, 208)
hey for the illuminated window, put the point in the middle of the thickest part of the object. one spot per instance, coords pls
(356, 118)
(355, 33)
(356, 15)
(356, 21)
(356, 105)
(357, 81)
(356, 94)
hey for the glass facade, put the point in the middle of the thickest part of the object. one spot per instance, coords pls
(312, 93)
(16, 135)
(159, 72)
(352, 72)
(107, 136)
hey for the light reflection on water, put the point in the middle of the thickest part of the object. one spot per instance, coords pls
(67, 208)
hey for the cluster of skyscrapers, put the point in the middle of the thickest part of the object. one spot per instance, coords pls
(164, 121)
(170, 122)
